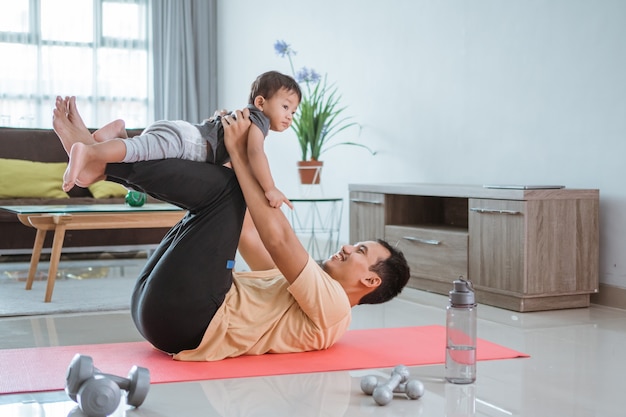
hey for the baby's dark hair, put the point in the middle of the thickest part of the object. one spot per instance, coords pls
(394, 273)
(269, 83)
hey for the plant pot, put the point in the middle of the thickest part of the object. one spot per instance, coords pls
(310, 171)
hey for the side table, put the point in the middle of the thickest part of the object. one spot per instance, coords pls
(58, 219)
(317, 222)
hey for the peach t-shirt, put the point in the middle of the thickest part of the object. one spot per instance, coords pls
(262, 313)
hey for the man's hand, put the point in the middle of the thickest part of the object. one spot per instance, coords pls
(218, 113)
(236, 132)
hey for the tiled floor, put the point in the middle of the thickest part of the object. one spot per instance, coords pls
(576, 369)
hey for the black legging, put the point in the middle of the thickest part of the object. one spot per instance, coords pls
(186, 279)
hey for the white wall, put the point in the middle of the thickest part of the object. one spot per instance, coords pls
(454, 91)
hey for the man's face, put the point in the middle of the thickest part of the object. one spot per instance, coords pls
(353, 262)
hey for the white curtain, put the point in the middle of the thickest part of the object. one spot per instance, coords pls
(184, 59)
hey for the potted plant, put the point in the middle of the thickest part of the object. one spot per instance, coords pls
(318, 119)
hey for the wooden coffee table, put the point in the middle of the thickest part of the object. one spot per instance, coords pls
(86, 217)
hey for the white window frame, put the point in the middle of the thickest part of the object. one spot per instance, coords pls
(44, 101)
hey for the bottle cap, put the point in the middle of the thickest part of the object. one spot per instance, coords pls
(462, 293)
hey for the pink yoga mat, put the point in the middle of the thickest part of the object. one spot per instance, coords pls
(43, 369)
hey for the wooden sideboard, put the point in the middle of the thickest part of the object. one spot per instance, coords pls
(524, 250)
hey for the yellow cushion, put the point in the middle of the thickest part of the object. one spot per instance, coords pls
(107, 189)
(29, 179)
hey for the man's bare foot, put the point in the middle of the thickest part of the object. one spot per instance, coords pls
(83, 169)
(112, 130)
(68, 132)
(72, 113)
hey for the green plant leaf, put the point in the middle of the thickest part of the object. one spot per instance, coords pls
(320, 116)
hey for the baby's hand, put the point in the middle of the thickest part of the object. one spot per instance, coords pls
(276, 198)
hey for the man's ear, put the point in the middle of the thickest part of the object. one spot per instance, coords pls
(258, 102)
(371, 281)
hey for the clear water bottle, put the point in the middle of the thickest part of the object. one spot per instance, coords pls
(461, 334)
(460, 400)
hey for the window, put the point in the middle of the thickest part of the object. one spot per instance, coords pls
(96, 50)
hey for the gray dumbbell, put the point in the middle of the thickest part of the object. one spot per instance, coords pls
(99, 394)
(413, 389)
(398, 383)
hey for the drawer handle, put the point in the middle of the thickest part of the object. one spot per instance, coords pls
(358, 200)
(420, 240)
(494, 211)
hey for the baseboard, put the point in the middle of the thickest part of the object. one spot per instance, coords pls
(610, 296)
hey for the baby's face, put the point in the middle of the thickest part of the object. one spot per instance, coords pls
(280, 109)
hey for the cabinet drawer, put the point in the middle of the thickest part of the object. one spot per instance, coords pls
(433, 253)
(367, 216)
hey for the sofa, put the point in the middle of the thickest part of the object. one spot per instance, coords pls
(32, 162)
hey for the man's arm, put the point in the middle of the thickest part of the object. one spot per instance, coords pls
(251, 247)
(273, 227)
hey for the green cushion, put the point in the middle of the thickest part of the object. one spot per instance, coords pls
(107, 189)
(28, 179)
